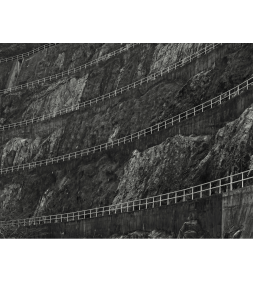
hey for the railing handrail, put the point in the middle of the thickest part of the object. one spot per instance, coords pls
(68, 72)
(149, 130)
(29, 53)
(213, 187)
(109, 95)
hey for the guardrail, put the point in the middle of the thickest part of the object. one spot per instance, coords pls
(218, 186)
(150, 130)
(112, 94)
(69, 72)
(29, 53)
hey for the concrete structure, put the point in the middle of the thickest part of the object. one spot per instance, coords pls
(169, 218)
(237, 211)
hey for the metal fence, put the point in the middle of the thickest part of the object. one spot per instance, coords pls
(148, 131)
(29, 53)
(69, 72)
(112, 94)
(225, 184)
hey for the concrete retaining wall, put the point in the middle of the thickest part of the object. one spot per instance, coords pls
(218, 215)
(237, 211)
(170, 218)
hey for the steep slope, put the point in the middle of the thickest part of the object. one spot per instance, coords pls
(126, 173)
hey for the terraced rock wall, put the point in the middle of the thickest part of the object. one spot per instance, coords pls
(195, 151)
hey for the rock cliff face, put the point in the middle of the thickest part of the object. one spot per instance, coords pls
(162, 168)
(116, 175)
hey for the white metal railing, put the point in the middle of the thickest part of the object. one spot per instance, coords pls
(218, 186)
(112, 94)
(148, 131)
(29, 53)
(69, 72)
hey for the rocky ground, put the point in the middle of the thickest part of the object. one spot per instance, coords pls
(155, 234)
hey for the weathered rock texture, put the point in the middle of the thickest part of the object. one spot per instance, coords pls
(117, 175)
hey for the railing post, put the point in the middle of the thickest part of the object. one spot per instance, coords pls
(168, 199)
(127, 206)
(109, 210)
(96, 212)
(153, 205)
(210, 187)
(242, 180)
(146, 203)
(201, 193)
(220, 186)
(183, 195)
(160, 200)
(175, 197)
(247, 84)
(192, 193)
(133, 205)
(231, 184)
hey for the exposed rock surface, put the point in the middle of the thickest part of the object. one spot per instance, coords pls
(162, 168)
(232, 150)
